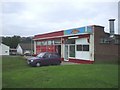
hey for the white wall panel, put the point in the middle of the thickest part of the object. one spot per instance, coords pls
(84, 55)
(82, 41)
(5, 49)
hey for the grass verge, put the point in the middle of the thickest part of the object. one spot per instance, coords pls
(17, 74)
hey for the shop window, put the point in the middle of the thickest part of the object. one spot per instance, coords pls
(44, 43)
(79, 47)
(50, 42)
(38, 43)
(70, 41)
(72, 51)
(58, 41)
(82, 47)
(85, 47)
(104, 40)
(117, 41)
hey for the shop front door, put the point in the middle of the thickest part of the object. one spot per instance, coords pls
(66, 53)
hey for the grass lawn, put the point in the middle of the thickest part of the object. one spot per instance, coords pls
(17, 74)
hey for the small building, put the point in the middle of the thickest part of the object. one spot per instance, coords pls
(81, 45)
(24, 49)
(4, 49)
(13, 51)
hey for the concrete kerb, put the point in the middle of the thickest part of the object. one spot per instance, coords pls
(67, 63)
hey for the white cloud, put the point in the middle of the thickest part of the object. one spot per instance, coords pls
(30, 17)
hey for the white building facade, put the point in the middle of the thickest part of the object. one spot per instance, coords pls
(19, 49)
(4, 49)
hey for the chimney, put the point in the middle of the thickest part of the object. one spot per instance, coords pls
(111, 27)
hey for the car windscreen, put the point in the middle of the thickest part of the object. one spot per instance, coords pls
(40, 55)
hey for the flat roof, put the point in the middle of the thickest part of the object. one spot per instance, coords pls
(67, 32)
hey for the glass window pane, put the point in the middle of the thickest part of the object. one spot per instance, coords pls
(38, 43)
(85, 47)
(117, 41)
(52, 42)
(79, 47)
(49, 42)
(57, 41)
(44, 43)
(41, 42)
(70, 41)
(72, 51)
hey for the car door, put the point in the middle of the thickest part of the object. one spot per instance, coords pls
(45, 60)
(53, 59)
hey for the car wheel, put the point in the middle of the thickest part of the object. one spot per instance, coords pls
(38, 64)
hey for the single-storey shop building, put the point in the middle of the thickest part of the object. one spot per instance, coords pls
(81, 45)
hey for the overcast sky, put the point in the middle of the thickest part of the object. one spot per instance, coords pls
(31, 17)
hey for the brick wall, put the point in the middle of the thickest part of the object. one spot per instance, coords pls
(104, 52)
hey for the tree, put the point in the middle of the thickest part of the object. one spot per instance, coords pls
(11, 41)
(15, 40)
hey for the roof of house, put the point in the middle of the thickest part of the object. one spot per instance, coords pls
(4, 44)
(26, 46)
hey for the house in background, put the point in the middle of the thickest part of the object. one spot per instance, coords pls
(24, 49)
(4, 49)
(13, 51)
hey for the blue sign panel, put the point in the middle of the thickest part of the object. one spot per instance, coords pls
(89, 29)
(81, 30)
